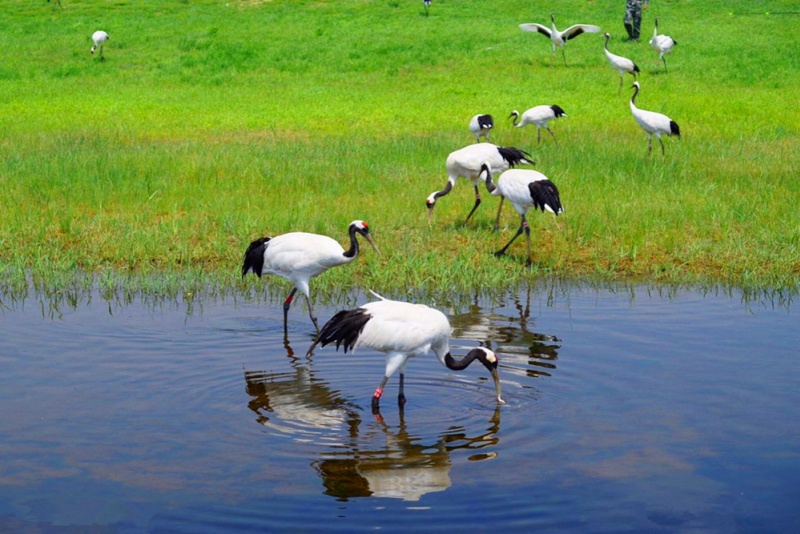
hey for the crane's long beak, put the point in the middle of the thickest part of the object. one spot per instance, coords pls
(496, 378)
(371, 242)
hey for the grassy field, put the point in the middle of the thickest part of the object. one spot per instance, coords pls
(210, 123)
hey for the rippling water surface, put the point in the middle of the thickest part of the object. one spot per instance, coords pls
(628, 410)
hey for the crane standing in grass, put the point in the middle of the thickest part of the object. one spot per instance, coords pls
(662, 44)
(99, 38)
(620, 64)
(468, 163)
(540, 116)
(299, 257)
(525, 189)
(653, 123)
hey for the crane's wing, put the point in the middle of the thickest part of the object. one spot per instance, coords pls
(534, 27)
(577, 29)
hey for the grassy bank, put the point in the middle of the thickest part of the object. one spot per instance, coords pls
(211, 123)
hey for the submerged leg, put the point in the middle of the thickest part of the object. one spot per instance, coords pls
(286, 304)
(477, 203)
(401, 397)
(312, 314)
(376, 397)
(499, 209)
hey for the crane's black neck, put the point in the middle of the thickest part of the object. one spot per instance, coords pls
(463, 363)
(490, 186)
(448, 186)
(352, 252)
(606, 45)
(516, 118)
(635, 92)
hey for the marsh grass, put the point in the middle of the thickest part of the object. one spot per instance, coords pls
(212, 123)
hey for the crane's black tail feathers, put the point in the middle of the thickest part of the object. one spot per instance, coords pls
(515, 156)
(343, 329)
(545, 193)
(486, 121)
(254, 256)
(558, 111)
(674, 129)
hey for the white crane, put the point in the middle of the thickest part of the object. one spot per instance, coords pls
(401, 330)
(481, 126)
(525, 189)
(559, 38)
(662, 44)
(99, 38)
(653, 123)
(620, 64)
(299, 257)
(467, 162)
(539, 116)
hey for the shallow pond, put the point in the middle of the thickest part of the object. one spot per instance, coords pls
(629, 409)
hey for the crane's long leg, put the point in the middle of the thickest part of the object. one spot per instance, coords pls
(564, 55)
(664, 58)
(650, 143)
(662, 146)
(286, 304)
(401, 397)
(477, 203)
(528, 239)
(376, 397)
(551, 133)
(523, 225)
(538, 135)
(499, 209)
(312, 313)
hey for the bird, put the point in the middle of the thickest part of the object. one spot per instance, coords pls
(400, 330)
(620, 64)
(662, 44)
(99, 37)
(467, 162)
(427, 4)
(540, 116)
(653, 123)
(525, 189)
(559, 38)
(481, 126)
(299, 257)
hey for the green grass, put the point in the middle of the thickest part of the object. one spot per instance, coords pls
(211, 123)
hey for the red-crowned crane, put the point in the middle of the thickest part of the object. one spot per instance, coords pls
(481, 126)
(662, 44)
(99, 38)
(468, 162)
(525, 189)
(559, 39)
(653, 123)
(620, 64)
(401, 330)
(539, 116)
(299, 257)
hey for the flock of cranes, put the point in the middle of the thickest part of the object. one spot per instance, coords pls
(402, 330)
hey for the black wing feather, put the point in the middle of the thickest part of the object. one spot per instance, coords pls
(545, 193)
(254, 256)
(515, 156)
(343, 328)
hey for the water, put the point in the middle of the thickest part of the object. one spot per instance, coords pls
(629, 410)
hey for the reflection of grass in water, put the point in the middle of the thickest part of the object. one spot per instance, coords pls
(199, 133)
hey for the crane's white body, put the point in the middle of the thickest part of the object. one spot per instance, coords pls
(621, 64)
(526, 189)
(299, 257)
(467, 163)
(662, 44)
(539, 116)
(559, 38)
(481, 126)
(400, 330)
(652, 122)
(99, 38)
